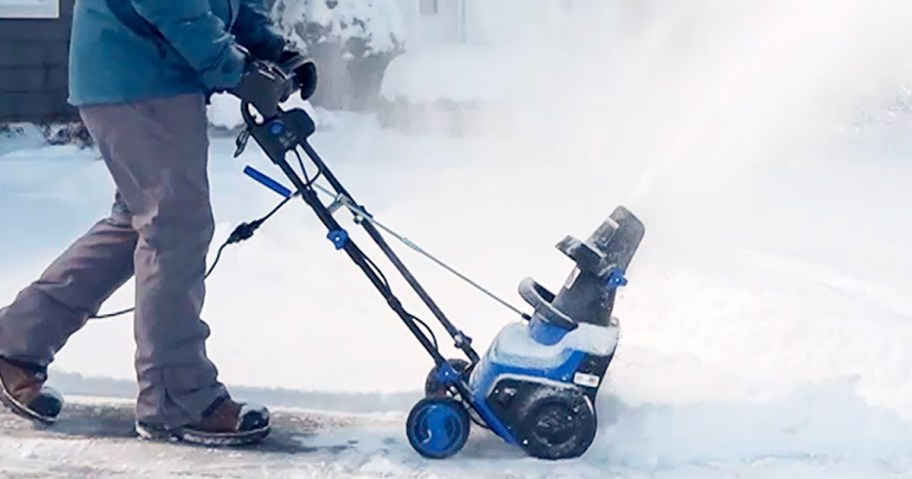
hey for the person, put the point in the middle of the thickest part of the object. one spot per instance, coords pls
(141, 72)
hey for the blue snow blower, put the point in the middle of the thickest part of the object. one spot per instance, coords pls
(536, 385)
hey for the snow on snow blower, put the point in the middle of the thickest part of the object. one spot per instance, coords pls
(536, 385)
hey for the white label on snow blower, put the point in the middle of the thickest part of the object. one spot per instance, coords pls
(587, 380)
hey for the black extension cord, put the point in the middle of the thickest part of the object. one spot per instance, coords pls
(243, 232)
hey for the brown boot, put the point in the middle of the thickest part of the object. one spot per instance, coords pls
(23, 392)
(224, 423)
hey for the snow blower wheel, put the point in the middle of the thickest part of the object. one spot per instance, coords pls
(438, 427)
(559, 424)
(434, 387)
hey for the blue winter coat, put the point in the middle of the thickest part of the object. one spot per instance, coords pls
(129, 50)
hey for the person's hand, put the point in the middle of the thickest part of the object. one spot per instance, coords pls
(303, 69)
(264, 86)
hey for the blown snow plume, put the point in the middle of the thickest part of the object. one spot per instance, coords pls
(720, 122)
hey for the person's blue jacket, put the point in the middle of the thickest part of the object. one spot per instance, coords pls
(124, 51)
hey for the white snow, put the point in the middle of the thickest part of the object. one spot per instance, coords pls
(377, 22)
(766, 327)
(224, 110)
(427, 74)
(19, 137)
(515, 346)
(822, 431)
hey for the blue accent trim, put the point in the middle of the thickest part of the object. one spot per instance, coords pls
(276, 128)
(490, 369)
(266, 181)
(487, 415)
(446, 374)
(437, 419)
(338, 237)
(545, 333)
(616, 279)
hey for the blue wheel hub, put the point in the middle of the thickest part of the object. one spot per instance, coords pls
(438, 427)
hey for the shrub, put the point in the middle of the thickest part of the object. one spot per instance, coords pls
(352, 42)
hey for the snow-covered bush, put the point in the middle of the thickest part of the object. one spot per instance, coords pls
(68, 133)
(51, 133)
(9, 130)
(352, 41)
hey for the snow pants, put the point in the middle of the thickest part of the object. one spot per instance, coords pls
(159, 229)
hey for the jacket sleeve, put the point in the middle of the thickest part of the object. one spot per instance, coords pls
(199, 36)
(256, 31)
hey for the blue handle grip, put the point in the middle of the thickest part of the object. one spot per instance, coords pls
(266, 181)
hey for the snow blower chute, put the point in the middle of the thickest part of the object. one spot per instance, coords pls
(536, 385)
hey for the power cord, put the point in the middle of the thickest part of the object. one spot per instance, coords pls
(428, 329)
(243, 232)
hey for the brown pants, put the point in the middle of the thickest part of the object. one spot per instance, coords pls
(160, 229)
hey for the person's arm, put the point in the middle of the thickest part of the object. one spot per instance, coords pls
(256, 32)
(199, 36)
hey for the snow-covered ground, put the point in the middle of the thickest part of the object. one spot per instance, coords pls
(766, 328)
(779, 439)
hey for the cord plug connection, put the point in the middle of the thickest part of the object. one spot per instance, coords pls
(244, 231)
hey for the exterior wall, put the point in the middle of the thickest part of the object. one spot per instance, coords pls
(431, 22)
(33, 61)
(495, 22)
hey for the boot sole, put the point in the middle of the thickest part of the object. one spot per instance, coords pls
(22, 410)
(190, 436)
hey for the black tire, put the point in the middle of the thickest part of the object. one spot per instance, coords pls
(557, 423)
(433, 387)
(438, 427)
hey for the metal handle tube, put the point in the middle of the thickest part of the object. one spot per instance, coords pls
(354, 252)
(462, 341)
(277, 154)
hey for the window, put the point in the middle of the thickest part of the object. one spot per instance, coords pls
(425, 7)
(29, 8)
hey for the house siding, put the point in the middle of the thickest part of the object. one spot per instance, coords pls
(33, 68)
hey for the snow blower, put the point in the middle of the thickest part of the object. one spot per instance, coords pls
(536, 385)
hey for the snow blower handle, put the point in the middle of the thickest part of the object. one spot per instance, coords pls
(265, 85)
(287, 132)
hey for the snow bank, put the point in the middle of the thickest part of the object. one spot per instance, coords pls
(20, 136)
(815, 421)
